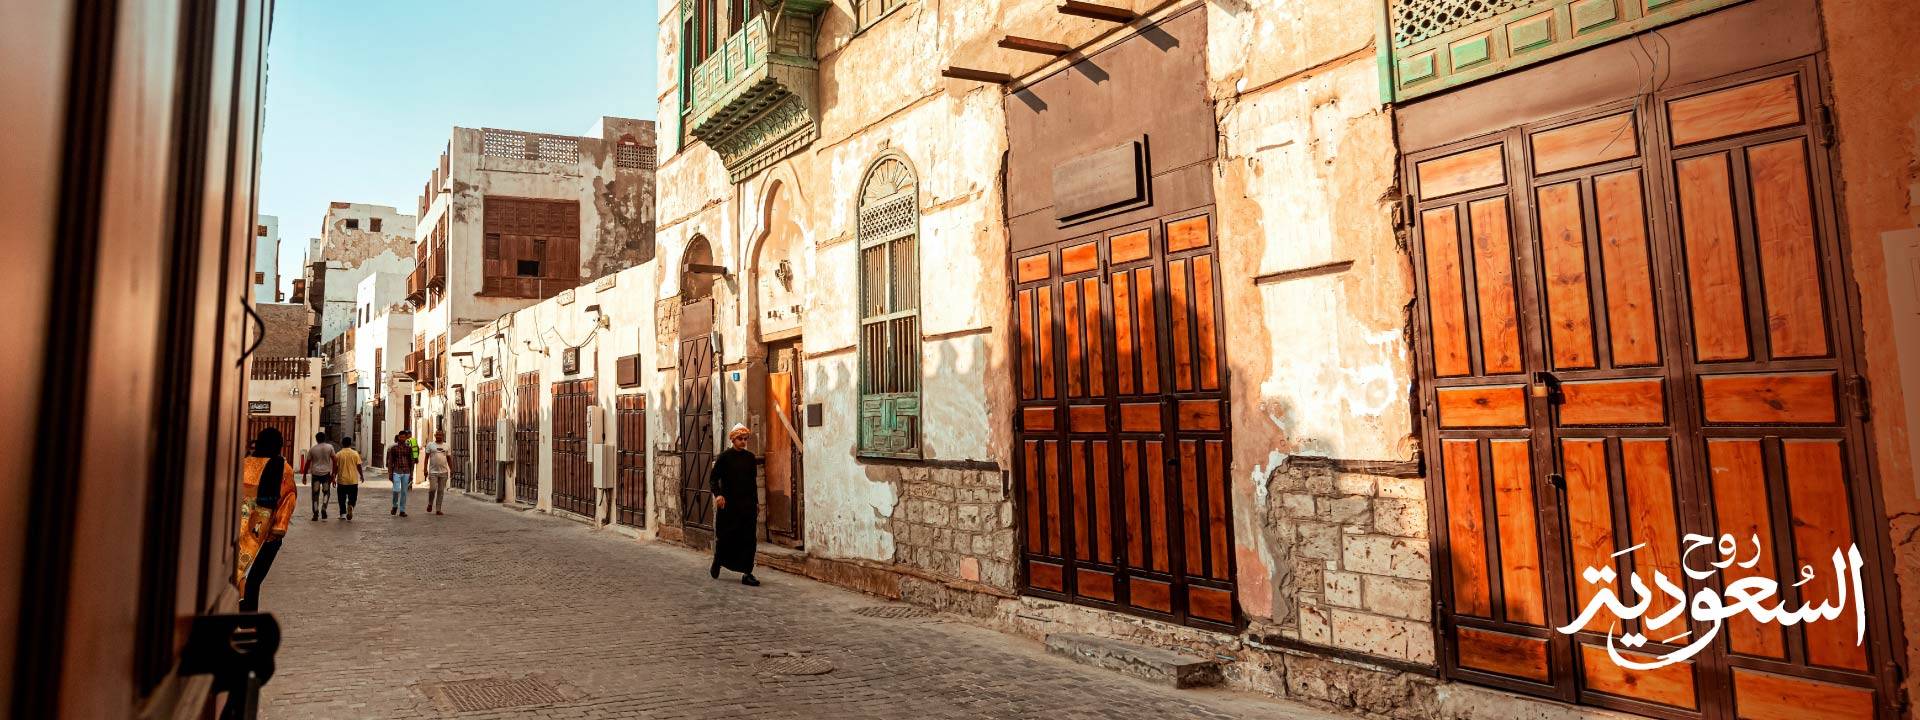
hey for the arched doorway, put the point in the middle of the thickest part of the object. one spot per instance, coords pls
(694, 441)
(779, 292)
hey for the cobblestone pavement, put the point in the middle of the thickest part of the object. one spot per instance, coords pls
(419, 617)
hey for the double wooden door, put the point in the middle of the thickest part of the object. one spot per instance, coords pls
(1635, 328)
(486, 438)
(526, 438)
(1122, 427)
(572, 474)
(630, 489)
(695, 440)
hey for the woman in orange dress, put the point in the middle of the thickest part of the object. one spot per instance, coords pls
(267, 497)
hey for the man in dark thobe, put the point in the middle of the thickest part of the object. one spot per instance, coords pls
(736, 504)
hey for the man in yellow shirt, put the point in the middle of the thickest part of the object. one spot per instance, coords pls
(346, 474)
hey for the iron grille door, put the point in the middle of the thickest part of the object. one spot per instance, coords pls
(695, 441)
(462, 448)
(486, 436)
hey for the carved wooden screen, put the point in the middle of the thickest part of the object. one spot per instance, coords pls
(1600, 374)
(526, 438)
(630, 492)
(1122, 434)
(486, 433)
(530, 247)
(462, 444)
(572, 474)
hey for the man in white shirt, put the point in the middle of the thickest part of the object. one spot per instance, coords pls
(439, 461)
(319, 468)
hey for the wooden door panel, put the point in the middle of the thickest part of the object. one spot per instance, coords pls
(1789, 256)
(1472, 170)
(1766, 696)
(1522, 594)
(1446, 294)
(1715, 282)
(1672, 685)
(1750, 399)
(1646, 466)
(630, 497)
(1466, 528)
(1632, 328)
(1588, 143)
(1740, 493)
(1770, 103)
(1590, 522)
(1496, 652)
(1494, 284)
(1563, 249)
(1822, 530)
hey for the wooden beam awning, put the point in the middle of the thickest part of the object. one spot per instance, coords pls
(986, 76)
(1096, 11)
(1032, 45)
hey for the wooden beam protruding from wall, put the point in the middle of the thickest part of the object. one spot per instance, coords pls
(986, 76)
(1032, 45)
(1097, 11)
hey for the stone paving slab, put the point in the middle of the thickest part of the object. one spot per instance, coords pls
(489, 612)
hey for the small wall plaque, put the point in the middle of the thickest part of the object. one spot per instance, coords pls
(815, 413)
(259, 407)
(570, 360)
(1100, 183)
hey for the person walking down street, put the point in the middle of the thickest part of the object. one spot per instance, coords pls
(346, 473)
(267, 497)
(439, 462)
(736, 501)
(319, 469)
(400, 469)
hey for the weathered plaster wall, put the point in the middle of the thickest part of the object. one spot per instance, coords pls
(286, 330)
(1320, 354)
(299, 397)
(1877, 112)
(266, 261)
(625, 301)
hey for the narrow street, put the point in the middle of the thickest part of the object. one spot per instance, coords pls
(494, 612)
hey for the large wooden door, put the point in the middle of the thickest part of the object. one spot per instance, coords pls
(572, 476)
(630, 491)
(1122, 425)
(695, 440)
(1633, 329)
(526, 438)
(486, 436)
(783, 446)
(462, 447)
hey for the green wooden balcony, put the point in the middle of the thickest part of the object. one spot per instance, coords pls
(753, 98)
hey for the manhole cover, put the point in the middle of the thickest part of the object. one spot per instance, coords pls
(894, 612)
(491, 694)
(796, 665)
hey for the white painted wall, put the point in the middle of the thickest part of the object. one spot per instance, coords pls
(266, 261)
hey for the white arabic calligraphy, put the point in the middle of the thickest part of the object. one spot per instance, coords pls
(1745, 595)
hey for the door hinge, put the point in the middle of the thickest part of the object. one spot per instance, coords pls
(1406, 211)
(1826, 126)
(1862, 398)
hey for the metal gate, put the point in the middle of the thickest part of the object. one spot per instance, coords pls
(462, 448)
(486, 438)
(1122, 427)
(630, 490)
(695, 441)
(1633, 328)
(526, 438)
(572, 475)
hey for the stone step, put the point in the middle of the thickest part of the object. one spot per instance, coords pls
(1155, 665)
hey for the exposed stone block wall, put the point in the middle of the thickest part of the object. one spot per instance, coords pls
(954, 522)
(1360, 574)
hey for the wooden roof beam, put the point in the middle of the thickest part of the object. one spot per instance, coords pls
(1096, 11)
(985, 76)
(1043, 47)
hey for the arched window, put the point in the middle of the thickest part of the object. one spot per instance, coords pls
(889, 229)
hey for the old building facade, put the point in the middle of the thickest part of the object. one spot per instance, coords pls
(1337, 341)
(509, 218)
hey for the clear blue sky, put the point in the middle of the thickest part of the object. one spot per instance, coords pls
(362, 95)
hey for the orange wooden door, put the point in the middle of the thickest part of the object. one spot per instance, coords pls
(779, 464)
(1600, 375)
(1122, 433)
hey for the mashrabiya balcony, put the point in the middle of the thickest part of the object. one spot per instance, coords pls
(753, 97)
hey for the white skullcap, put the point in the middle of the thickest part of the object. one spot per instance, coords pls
(737, 429)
